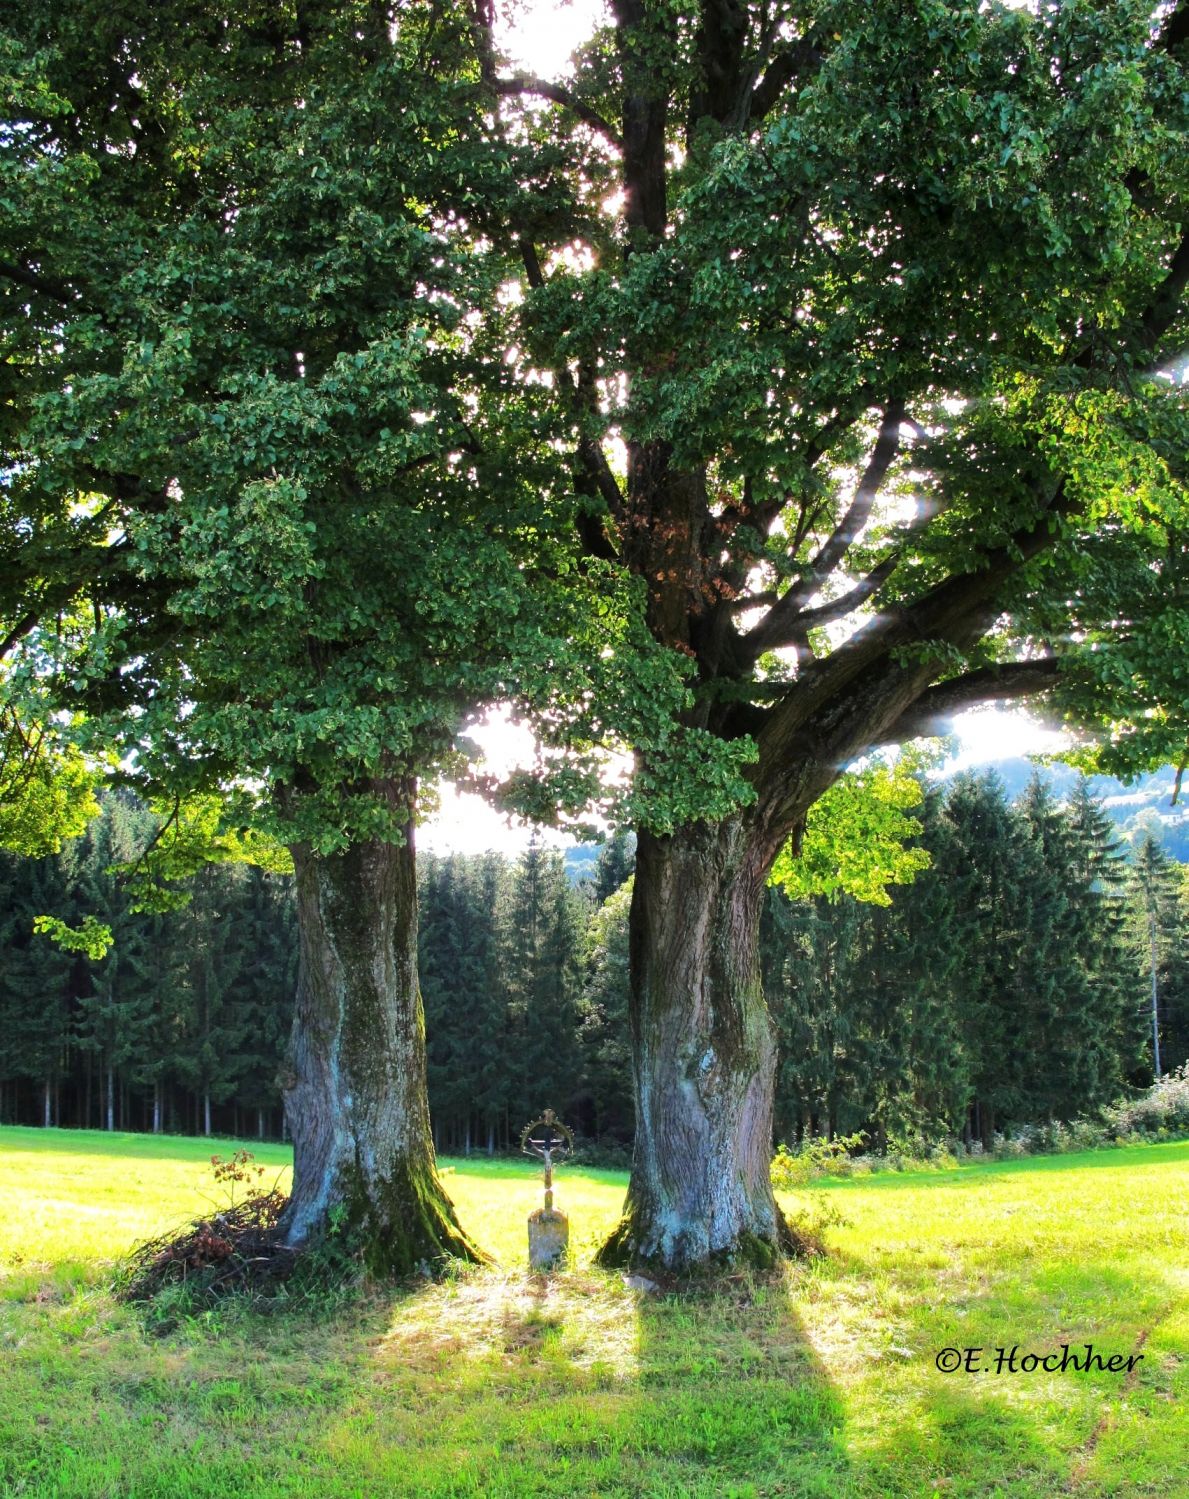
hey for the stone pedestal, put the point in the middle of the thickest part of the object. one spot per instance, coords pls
(548, 1238)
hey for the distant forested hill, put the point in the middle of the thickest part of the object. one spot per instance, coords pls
(1131, 808)
(1147, 802)
(581, 861)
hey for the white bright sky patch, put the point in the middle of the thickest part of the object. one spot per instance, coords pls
(467, 824)
(989, 734)
(538, 36)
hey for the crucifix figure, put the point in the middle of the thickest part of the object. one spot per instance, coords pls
(544, 1137)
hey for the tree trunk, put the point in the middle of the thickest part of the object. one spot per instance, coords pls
(110, 1102)
(48, 1113)
(206, 1114)
(355, 1091)
(704, 1057)
(157, 1106)
(1155, 997)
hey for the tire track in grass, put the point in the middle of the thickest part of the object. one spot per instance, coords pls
(1084, 1455)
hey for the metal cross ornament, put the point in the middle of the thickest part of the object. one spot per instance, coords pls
(545, 1137)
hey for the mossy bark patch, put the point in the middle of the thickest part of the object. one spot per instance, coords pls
(704, 1057)
(356, 1098)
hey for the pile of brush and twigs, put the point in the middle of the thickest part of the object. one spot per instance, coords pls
(235, 1248)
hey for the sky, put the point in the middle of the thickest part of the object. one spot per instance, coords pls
(466, 824)
(538, 37)
(541, 35)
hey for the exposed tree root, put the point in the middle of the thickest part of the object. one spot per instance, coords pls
(619, 1251)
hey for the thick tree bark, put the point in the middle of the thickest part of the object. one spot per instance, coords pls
(355, 1092)
(704, 1056)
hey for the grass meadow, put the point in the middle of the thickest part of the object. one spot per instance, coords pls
(819, 1381)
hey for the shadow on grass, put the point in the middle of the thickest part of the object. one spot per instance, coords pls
(575, 1385)
(1001, 1428)
(516, 1386)
(507, 1385)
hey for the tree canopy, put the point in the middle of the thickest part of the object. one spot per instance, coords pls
(885, 310)
(274, 438)
(774, 385)
(887, 316)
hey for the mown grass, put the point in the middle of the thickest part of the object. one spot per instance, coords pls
(817, 1382)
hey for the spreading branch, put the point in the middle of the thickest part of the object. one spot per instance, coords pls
(594, 472)
(776, 624)
(520, 84)
(18, 632)
(1175, 30)
(45, 286)
(1167, 302)
(860, 689)
(791, 64)
(839, 608)
(1009, 682)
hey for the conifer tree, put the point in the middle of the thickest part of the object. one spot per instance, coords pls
(1176, 1012)
(465, 1006)
(483, 1007)
(540, 958)
(923, 954)
(1157, 924)
(115, 1018)
(987, 855)
(266, 983)
(617, 859)
(605, 1034)
(1097, 933)
(1048, 983)
(817, 953)
(35, 980)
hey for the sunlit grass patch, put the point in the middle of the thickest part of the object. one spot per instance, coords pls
(80, 1195)
(77, 1195)
(819, 1381)
(586, 1318)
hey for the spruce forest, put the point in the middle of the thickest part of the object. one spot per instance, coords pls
(1008, 985)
